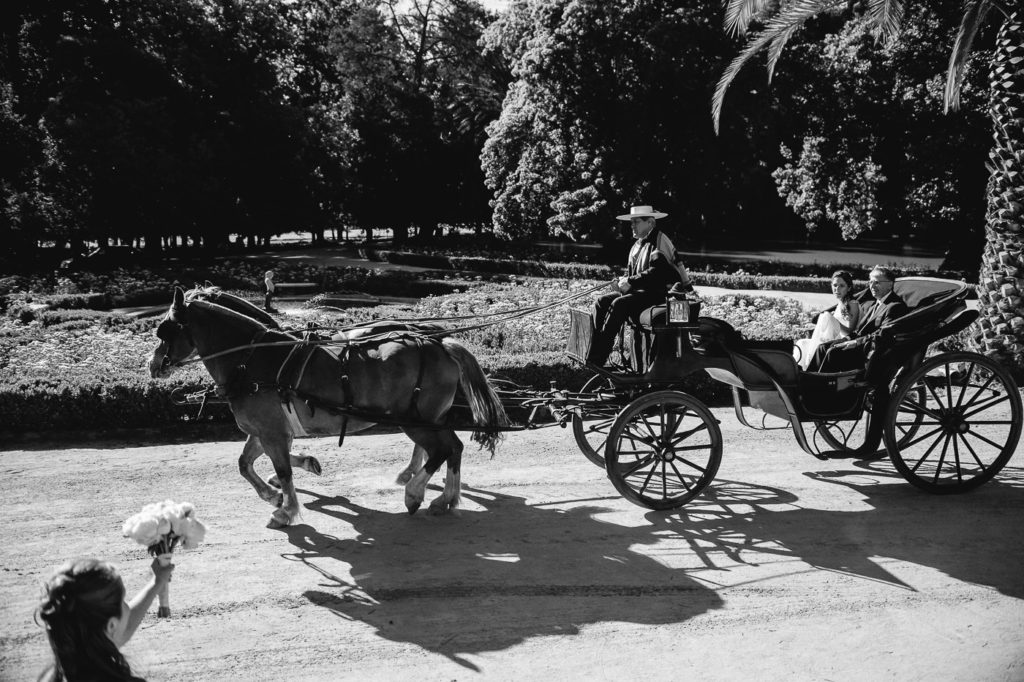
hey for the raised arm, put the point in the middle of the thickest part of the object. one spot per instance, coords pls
(141, 602)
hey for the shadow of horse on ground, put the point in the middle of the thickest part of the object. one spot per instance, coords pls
(491, 579)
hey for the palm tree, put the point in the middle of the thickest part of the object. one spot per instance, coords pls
(1000, 331)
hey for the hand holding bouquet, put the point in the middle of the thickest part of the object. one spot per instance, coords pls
(159, 527)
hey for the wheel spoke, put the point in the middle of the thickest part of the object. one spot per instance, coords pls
(687, 434)
(942, 459)
(647, 427)
(927, 452)
(631, 434)
(918, 423)
(635, 453)
(628, 469)
(647, 480)
(921, 408)
(973, 453)
(691, 448)
(664, 482)
(984, 406)
(692, 465)
(956, 459)
(967, 382)
(936, 396)
(921, 438)
(681, 478)
(997, 446)
(979, 391)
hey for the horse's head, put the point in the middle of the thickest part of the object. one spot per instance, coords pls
(176, 344)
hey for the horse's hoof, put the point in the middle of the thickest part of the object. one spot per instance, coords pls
(403, 477)
(438, 508)
(413, 506)
(279, 519)
(313, 466)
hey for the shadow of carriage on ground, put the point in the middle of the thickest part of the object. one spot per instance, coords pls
(469, 577)
(970, 537)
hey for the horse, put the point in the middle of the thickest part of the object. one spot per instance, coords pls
(373, 327)
(279, 387)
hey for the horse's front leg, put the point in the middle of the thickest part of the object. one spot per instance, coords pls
(250, 452)
(277, 449)
(419, 455)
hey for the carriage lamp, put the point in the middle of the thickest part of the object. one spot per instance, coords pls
(678, 311)
(682, 310)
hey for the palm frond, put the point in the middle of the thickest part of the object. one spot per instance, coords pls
(738, 14)
(972, 21)
(887, 17)
(775, 49)
(776, 33)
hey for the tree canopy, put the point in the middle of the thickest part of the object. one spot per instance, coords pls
(210, 118)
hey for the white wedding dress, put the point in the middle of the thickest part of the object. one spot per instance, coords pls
(827, 329)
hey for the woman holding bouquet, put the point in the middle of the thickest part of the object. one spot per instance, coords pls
(88, 620)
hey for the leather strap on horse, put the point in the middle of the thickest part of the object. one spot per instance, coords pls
(414, 408)
(346, 389)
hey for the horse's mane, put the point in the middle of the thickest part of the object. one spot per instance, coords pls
(233, 317)
(220, 297)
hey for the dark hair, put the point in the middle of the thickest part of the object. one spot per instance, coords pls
(848, 278)
(78, 601)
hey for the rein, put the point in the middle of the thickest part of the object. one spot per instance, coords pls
(383, 337)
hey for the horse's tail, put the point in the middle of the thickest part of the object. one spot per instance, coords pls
(488, 412)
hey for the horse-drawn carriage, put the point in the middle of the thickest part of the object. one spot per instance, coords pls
(948, 422)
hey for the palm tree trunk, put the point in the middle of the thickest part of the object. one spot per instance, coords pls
(1000, 331)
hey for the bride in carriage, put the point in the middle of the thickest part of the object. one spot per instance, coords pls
(833, 324)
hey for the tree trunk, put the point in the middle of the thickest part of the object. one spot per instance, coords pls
(1000, 330)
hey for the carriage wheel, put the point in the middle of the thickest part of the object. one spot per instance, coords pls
(849, 435)
(591, 428)
(969, 424)
(663, 450)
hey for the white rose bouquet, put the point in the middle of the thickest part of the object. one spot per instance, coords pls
(159, 527)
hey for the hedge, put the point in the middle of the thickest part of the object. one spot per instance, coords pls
(102, 403)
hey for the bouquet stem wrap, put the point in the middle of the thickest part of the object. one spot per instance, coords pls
(164, 610)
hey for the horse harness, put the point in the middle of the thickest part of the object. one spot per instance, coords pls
(293, 369)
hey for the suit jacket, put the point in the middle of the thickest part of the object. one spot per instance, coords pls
(876, 313)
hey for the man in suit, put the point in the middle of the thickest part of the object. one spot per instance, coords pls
(654, 267)
(884, 306)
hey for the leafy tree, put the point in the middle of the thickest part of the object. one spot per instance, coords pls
(880, 162)
(420, 91)
(605, 112)
(1001, 332)
(159, 119)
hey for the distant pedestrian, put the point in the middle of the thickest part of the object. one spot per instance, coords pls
(268, 297)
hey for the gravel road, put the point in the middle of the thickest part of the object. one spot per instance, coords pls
(789, 568)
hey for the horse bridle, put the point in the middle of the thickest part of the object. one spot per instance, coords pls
(167, 331)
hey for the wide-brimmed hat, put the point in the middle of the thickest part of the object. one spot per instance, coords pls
(642, 212)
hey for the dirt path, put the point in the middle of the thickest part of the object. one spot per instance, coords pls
(790, 569)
